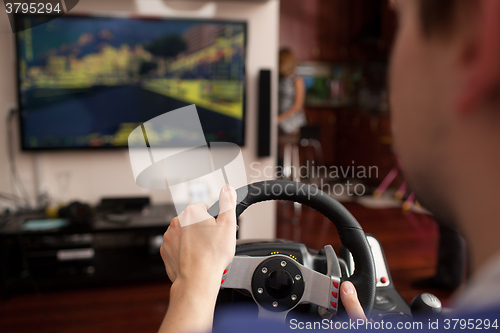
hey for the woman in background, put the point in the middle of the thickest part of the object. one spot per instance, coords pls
(291, 99)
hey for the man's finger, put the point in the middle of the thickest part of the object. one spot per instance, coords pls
(227, 205)
(350, 301)
(194, 213)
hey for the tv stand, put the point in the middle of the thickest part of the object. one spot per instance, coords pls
(94, 254)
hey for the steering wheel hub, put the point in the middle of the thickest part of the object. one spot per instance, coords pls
(278, 283)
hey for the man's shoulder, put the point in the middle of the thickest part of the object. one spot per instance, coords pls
(491, 313)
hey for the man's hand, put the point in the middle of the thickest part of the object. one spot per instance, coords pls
(350, 301)
(282, 117)
(205, 248)
(195, 257)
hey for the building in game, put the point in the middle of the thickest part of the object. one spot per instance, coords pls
(201, 36)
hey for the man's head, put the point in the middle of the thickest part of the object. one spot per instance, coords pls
(444, 80)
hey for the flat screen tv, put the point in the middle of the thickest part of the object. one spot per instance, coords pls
(88, 81)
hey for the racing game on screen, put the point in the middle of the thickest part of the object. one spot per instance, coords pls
(89, 81)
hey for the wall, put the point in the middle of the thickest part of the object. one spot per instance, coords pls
(92, 175)
(335, 30)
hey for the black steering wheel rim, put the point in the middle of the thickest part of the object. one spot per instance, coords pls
(350, 232)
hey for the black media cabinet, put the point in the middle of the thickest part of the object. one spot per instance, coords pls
(96, 254)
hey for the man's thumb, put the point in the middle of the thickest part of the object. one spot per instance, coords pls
(227, 205)
(350, 301)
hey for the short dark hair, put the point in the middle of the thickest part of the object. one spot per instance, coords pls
(437, 15)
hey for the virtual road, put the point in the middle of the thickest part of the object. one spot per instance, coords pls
(99, 111)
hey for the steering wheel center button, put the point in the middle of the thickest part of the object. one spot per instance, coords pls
(279, 284)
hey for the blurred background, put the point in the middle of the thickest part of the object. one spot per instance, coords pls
(79, 239)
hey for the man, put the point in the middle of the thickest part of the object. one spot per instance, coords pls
(445, 83)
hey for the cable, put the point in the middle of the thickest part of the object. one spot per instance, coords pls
(4, 219)
(19, 185)
(10, 197)
(14, 172)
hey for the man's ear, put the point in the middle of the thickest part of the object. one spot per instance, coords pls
(483, 67)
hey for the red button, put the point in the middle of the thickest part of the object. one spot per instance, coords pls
(334, 305)
(222, 281)
(336, 285)
(334, 294)
(383, 280)
(225, 271)
(376, 280)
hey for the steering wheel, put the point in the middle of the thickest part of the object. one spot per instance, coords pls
(277, 282)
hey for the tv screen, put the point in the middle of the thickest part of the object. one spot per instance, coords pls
(88, 81)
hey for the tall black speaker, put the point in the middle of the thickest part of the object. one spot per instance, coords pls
(264, 114)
